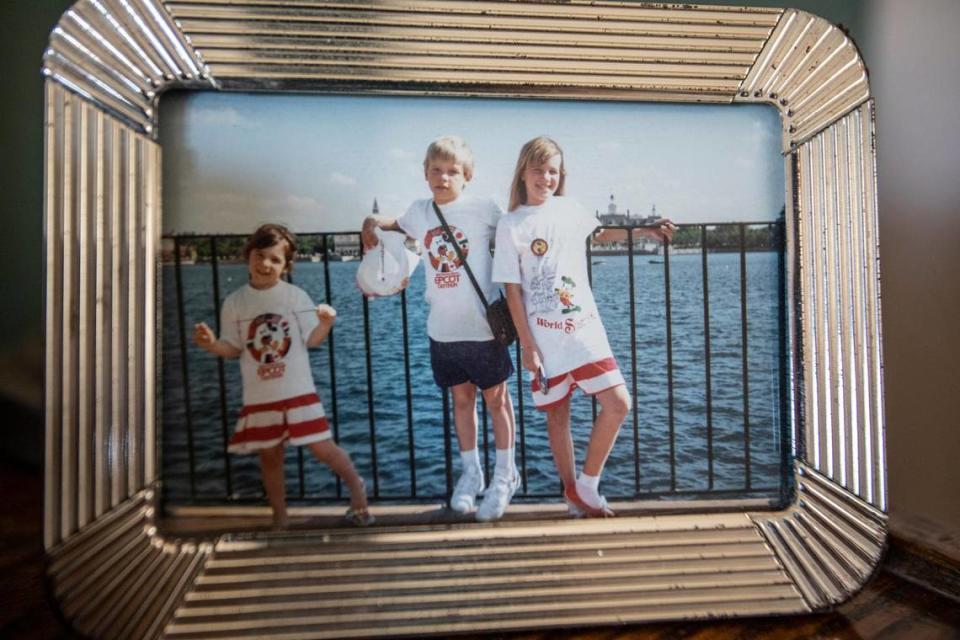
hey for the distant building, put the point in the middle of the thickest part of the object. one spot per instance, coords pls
(347, 245)
(614, 216)
(188, 252)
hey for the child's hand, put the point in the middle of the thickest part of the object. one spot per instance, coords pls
(664, 230)
(531, 359)
(203, 335)
(326, 313)
(367, 234)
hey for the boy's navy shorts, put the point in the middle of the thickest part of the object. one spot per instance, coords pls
(485, 364)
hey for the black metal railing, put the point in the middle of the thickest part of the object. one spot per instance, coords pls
(693, 240)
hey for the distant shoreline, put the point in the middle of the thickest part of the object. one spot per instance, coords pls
(593, 254)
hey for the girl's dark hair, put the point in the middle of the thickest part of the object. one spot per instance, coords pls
(269, 235)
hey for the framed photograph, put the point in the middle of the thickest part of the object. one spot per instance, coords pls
(749, 476)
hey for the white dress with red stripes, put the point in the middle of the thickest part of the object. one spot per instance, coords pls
(280, 401)
(543, 249)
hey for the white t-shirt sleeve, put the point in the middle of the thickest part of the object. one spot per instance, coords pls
(506, 259)
(305, 312)
(585, 221)
(230, 323)
(412, 222)
(494, 213)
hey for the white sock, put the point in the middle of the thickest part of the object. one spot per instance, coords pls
(471, 461)
(587, 486)
(505, 464)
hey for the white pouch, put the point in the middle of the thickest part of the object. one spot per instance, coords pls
(386, 269)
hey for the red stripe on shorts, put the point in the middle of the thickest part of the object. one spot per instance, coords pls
(585, 372)
(298, 430)
(259, 434)
(310, 427)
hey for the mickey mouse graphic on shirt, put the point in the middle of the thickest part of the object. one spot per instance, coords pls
(268, 341)
(443, 256)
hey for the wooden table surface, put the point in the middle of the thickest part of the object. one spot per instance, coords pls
(890, 607)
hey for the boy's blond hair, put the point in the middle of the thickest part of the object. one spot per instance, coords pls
(451, 148)
(533, 154)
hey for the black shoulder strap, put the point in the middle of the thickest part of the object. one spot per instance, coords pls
(456, 247)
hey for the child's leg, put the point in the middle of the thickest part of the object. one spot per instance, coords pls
(500, 408)
(271, 473)
(327, 452)
(506, 480)
(561, 442)
(464, 496)
(614, 407)
(465, 415)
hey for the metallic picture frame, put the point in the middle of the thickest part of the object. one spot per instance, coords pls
(115, 575)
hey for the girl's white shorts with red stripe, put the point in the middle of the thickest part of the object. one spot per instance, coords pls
(592, 378)
(301, 420)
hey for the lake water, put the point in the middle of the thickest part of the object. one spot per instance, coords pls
(647, 430)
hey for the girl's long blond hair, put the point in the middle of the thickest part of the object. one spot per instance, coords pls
(533, 154)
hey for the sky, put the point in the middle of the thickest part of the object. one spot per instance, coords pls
(316, 163)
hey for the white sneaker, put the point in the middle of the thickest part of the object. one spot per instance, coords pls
(464, 497)
(498, 496)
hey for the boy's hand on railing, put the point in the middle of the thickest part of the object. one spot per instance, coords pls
(203, 336)
(326, 313)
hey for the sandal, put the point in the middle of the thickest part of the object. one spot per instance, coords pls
(580, 509)
(359, 517)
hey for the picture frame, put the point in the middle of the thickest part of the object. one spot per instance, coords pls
(115, 574)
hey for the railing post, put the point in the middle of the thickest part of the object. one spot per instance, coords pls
(784, 359)
(184, 368)
(301, 472)
(370, 413)
(593, 399)
(520, 434)
(706, 352)
(669, 320)
(447, 444)
(328, 291)
(411, 445)
(221, 374)
(633, 363)
(744, 367)
(484, 426)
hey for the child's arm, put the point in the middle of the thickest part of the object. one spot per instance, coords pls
(530, 355)
(372, 222)
(206, 339)
(326, 315)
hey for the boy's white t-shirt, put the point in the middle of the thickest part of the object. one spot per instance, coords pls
(456, 313)
(271, 327)
(543, 248)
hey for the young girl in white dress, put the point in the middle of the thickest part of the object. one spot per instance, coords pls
(541, 259)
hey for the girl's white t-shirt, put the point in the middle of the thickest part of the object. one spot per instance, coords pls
(456, 313)
(543, 248)
(271, 327)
